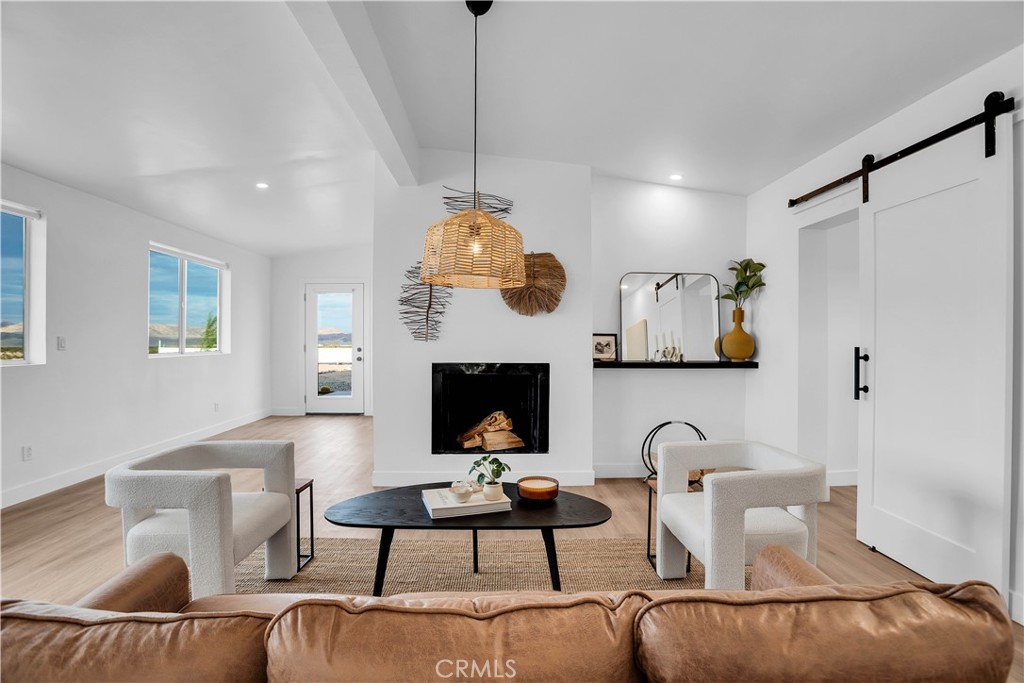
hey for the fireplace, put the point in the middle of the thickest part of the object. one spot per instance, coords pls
(466, 393)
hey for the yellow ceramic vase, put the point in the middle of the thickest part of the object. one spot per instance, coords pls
(738, 345)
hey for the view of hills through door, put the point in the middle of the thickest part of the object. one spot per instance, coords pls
(334, 349)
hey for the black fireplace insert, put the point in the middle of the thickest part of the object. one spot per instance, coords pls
(466, 393)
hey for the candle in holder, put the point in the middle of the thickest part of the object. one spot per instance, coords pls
(538, 488)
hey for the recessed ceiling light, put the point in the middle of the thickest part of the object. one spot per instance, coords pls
(262, 186)
(675, 176)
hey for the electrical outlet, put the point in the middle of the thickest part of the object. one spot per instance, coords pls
(216, 407)
(26, 453)
(62, 343)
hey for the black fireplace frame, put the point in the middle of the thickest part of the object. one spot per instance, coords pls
(536, 436)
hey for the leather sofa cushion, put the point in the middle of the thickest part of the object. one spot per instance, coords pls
(268, 604)
(158, 583)
(556, 638)
(273, 603)
(896, 632)
(56, 643)
(779, 567)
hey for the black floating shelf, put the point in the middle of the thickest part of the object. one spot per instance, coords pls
(692, 365)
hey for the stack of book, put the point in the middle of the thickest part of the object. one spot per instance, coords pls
(440, 503)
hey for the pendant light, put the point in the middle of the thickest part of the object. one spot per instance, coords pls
(474, 248)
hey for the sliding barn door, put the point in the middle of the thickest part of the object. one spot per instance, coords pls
(936, 315)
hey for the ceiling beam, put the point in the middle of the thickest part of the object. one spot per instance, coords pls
(343, 38)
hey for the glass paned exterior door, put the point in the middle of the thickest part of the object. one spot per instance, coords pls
(334, 348)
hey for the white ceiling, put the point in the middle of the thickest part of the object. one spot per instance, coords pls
(177, 109)
(730, 95)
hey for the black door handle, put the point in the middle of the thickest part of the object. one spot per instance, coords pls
(857, 358)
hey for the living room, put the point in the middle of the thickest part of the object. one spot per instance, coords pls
(141, 128)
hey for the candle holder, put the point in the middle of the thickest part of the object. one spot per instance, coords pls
(537, 489)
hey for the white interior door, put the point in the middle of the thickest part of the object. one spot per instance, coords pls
(334, 348)
(934, 448)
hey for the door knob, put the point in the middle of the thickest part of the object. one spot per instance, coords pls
(359, 357)
(359, 348)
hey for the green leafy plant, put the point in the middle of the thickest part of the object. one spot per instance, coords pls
(208, 342)
(748, 281)
(488, 469)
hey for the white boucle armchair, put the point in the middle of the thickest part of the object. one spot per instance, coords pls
(773, 499)
(170, 502)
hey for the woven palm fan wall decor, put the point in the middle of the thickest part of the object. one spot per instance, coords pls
(545, 282)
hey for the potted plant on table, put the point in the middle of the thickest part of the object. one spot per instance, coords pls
(488, 470)
(738, 345)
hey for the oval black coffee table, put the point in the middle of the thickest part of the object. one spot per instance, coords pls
(402, 508)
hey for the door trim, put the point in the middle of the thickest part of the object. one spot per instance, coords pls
(357, 404)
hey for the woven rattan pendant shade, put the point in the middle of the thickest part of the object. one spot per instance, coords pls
(473, 249)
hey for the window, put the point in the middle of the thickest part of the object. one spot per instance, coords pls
(22, 260)
(185, 302)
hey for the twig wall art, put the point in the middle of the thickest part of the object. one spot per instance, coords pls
(421, 306)
(497, 206)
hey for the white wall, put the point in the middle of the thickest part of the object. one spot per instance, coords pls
(812, 340)
(657, 228)
(829, 329)
(843, 334)
(772, 235)
(1017, 527)
(104, 400)
(552, 211)
(289, 276)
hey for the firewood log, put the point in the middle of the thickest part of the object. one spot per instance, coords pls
(500, 441)
(495, 422)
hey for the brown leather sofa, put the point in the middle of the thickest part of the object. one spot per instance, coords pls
(795, 624)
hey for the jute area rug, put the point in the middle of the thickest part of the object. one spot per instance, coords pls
(346, 566)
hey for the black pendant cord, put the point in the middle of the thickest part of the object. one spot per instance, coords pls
(476, 196)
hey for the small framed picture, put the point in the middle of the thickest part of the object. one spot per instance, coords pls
(606, 346)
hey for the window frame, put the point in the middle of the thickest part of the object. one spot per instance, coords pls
(223, 279)
(34, 311)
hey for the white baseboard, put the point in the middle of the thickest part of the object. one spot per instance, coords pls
(39, 487)
(293, 411)
(1017, 606)
(288, 411)
(618, 470)
(407, 478)
(841, 477)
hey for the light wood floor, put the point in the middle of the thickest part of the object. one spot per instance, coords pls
(59, 546)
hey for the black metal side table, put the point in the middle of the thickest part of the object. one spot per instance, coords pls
(303, 559)
(647, 455)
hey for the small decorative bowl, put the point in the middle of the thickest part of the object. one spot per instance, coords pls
(538, 489)
(462, 491)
